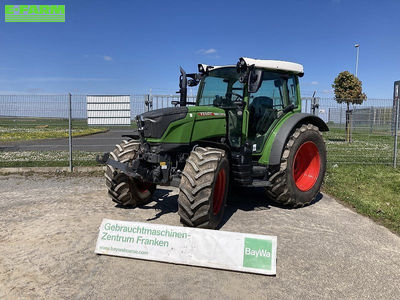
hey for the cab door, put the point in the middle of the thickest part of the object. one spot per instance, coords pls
(267, 106)
(235, 95)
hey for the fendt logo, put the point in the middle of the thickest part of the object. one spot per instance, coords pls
(257, 253)
(35, 13)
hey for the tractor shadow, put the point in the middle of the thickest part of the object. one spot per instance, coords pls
(252, 199)
(164, 201)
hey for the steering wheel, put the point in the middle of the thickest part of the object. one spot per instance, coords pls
(219, 101)
(238, 97)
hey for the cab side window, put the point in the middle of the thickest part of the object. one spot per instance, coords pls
(269, 94)
(216, 88)
(292, 90)
(266, 102)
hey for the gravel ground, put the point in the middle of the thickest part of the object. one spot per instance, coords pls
(49, 226)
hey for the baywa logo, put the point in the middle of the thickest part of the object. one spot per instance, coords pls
(35, 13)
(257, 254)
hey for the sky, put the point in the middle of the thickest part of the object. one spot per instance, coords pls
(118, 47)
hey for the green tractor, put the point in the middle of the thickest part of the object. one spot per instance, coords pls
(245, 129)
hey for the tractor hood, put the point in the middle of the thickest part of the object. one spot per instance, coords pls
(155, 122)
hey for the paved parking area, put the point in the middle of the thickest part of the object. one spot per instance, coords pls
(49, 226)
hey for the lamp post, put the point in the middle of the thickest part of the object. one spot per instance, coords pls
(357, 46)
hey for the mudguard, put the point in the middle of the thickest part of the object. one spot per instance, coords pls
(287, 128)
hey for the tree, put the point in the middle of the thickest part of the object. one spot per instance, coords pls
(348, 89)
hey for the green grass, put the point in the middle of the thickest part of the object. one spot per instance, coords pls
(25, 129)
(46, 159)
(372, 190)
(27, 134)
(366, 147)
(361, 175)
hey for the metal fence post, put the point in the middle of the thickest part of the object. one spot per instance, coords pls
(70, 131)
(306, 108)
(147, 102)
(370, 120)
(351, 125)
(396, 128)
(315, 105)
(329, 114)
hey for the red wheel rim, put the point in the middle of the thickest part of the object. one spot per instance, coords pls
(306, 166)
(219, 191)
(143, 187)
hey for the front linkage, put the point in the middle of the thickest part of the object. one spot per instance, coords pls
(147, 167)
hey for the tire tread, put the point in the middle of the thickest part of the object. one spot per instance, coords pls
(279, 191)
(120, 186)
(196, 186)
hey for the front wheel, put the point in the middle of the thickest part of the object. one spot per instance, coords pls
(204, 188)
(302, 168)
(122, 189)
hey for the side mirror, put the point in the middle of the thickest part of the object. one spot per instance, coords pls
(192, 82)
(254, 80)
(183, 87)
(182, 78)
(277, 83)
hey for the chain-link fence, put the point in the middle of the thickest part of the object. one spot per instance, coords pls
(362, 134)
(40, 130)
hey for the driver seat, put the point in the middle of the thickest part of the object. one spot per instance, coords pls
(261, 115)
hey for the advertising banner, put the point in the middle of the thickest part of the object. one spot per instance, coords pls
(189, 246)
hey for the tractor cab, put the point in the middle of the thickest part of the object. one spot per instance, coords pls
(255, 94)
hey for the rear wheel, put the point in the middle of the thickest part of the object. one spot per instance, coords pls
(204, 188)
(123, 189)
(302, 168)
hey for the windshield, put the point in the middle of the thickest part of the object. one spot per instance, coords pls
(220, 88)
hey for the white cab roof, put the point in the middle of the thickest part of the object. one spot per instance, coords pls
(269, 65)
(275, 65)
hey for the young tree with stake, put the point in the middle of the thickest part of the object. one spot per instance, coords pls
(348, 89)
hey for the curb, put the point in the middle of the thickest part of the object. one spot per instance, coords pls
(50, 170)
